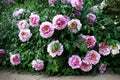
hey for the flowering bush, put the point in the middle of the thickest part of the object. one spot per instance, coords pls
(59, 37)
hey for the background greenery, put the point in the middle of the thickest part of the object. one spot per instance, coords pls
(36, 47)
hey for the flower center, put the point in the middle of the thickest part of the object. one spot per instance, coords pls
(80, 1)
(115, 47)
(15, 59)
(76, 61)
(89, 41)
(74, 24)
(55, 47)
(60, 22)
(103, 46)
(92, 57)
(23, 33)
(85, 65)
(33, 19)
(46, 28)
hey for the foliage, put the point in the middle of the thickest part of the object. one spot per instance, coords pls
(36, 47)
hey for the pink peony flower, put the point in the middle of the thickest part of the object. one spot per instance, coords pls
(68, 1)
(85, 66)
(77, 13)
(34, 19)
(65, 1)
(104, 49)
(10, 1)
(25, 35)
(46, 29)
(91, 18)
(18, 12)
(81, 36)
(37, 64)
(67, 18)
(74, 25)
(55, 48)
(74, 62)
(90, 41)
(15, 59)
(78, 4)
(94, 8)
(60, 22)
(102, 68)
(22, 24)
(52, 1)
(92, 57)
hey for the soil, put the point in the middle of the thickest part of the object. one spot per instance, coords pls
(7, 75)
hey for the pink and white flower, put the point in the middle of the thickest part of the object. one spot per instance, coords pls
(91, 18)
(52, 1)
(74, 25)
(15, 59)
(25, 35)
(46, 29)
(34, 19)
(22, 24)
(102, 68)
(74, 62)
(18, 12)
(78, 4)
(68, 1)
(38, 64)
(115, 49)
(90, 41)
(85, 66)
(104, 49)
(94, 8)
(93, 57)
(60, 22)
(55, 48)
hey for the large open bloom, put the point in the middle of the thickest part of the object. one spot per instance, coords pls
(22, 24)
(15, 59)
(46, 29)
(102, 68)
(34, 20)
(55, 48)
(90, 41)
(93, 57)
(74, 62)
(85, 66)
(18, 12)
(78, 4)
(91, 18)
(74, 25)
(38, 64)
(115, 49)
(60, 22)
(104, 49)
(25, 35)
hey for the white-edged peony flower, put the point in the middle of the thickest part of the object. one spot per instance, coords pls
(23, 24)
(25, 35)
(115, 49)
(74, 25)
(55, 48)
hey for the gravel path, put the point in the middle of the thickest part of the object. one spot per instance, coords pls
(4, 75)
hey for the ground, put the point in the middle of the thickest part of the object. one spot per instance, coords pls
(4, 75)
